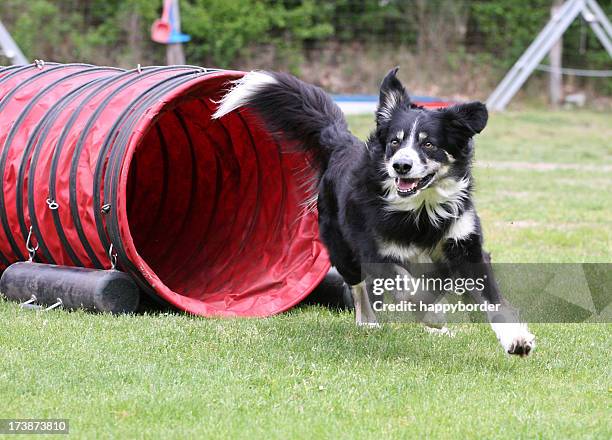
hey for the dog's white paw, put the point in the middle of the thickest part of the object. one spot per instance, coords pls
(364, 324)
(442, 331)
(515, 338)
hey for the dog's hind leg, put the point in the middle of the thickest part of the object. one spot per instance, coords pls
(364, 313)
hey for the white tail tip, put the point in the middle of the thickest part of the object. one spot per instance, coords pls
(242, 91)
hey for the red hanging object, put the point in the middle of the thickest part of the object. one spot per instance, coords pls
(161, 28)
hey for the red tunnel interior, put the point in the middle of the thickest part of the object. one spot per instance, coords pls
(216, 210)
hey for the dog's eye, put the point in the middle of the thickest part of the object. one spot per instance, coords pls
(428, 145)
(394, 143)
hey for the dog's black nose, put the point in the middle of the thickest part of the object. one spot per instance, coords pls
(402, 166)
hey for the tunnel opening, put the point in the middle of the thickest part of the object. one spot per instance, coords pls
(216, 212)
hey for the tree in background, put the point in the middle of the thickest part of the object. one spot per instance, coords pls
(342, 45)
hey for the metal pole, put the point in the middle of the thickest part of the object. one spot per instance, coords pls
(530, 59)
(500, 92)
(555, 84)
(10, 48)
(600, 25)
(601, 16)
(174, 51)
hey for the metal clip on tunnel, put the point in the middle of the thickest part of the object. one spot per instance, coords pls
(205, 215)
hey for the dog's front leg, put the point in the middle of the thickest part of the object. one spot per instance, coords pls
(512, 334)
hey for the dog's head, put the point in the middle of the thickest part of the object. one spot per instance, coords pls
(418, 148)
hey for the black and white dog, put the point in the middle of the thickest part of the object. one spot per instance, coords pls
(403, 196)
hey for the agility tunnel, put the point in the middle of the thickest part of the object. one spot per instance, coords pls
(101, 165)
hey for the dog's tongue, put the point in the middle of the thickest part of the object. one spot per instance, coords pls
(407, 184)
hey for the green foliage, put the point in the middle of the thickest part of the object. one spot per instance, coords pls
(96, 31)
(220, 29)
(32, 28)
(223, 31)
(507, 28)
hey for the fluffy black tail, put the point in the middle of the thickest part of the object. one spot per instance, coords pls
(300, 112)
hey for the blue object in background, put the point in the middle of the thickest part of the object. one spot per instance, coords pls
(176, 36)
(167, 29)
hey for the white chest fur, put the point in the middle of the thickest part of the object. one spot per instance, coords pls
(459, 229)
(405, 254)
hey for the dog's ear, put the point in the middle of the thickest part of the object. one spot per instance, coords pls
(466, 120)
(392, 96)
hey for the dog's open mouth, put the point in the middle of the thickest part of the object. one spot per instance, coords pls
(407, 187)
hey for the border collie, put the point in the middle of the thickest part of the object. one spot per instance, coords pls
(402, 197)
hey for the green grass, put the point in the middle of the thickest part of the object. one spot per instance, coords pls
(308, 373)
(311, 373)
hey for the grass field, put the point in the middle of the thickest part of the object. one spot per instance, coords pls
(311, 373)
